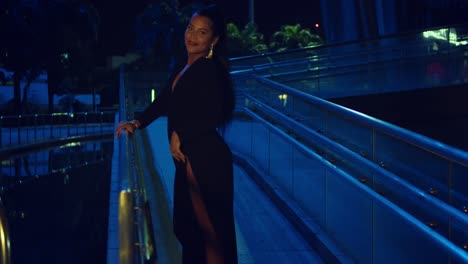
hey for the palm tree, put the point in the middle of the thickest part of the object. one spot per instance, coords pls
(245, 42)
(293, 36)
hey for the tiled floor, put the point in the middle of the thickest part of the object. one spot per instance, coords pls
(264, 235)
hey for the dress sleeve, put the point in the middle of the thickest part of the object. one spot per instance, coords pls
(157, 108)
(204, 106)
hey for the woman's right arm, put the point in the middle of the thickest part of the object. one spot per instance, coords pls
(156, 109)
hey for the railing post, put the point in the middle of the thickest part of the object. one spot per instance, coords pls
(19, 129)
(35, 128)
(11, 133)
(1, 130)
(86, 123)
(26, 127)
(51, 125)
(70, 116)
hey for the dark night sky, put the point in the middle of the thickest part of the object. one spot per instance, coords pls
(117, 19)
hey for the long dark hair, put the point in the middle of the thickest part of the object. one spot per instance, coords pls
(215, 14)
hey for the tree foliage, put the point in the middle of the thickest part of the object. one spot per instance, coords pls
(54, 36)
(293, 36)
(159, 36)
(245, 41)
(248, 41)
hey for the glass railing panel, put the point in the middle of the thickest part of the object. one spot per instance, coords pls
(350, 134)
(264, 59)
(288, 104)
(281, 163)
(389, 187)
(459, 191)
(312, 116)
(417, 166)
(377, 77)
(459, 234)
(402, 243)
(243, 136)
(346, 131)
(261, 146)
(298, 65)
(344, 206)
(431, 217)
(349, 212)
(309, 181)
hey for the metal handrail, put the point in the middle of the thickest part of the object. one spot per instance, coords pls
(354, 158)
(126, 201)
(135, 240)
(428, 144)
(5, 254)
(13, 124)
(440, 240)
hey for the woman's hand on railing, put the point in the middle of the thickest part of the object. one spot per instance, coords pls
(128, 126)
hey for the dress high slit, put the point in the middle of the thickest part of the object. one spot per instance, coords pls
(203, 215)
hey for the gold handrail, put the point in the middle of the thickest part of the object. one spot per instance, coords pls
(5, 256)
(126, 219)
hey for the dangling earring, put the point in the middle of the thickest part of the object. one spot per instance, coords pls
(210, 53)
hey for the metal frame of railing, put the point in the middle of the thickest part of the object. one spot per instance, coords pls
(345, 68)
(319, 70)
(403, 187)
(423, 142)
(43, 126)
(456, 253)
(443, 152)
(127, 239)
(5, 253)
(135, 236)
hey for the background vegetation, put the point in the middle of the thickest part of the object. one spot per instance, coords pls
(63, 39)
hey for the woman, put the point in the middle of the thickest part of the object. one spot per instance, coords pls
(199, 100)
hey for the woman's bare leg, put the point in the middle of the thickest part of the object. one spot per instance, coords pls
(212, 244)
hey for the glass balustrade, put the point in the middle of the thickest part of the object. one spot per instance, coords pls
(348, 201)
(411, 156)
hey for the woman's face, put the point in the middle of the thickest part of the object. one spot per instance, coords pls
(199, 36)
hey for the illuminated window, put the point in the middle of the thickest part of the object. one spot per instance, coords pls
(441, 34)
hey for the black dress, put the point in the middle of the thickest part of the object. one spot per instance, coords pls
(195, 109)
